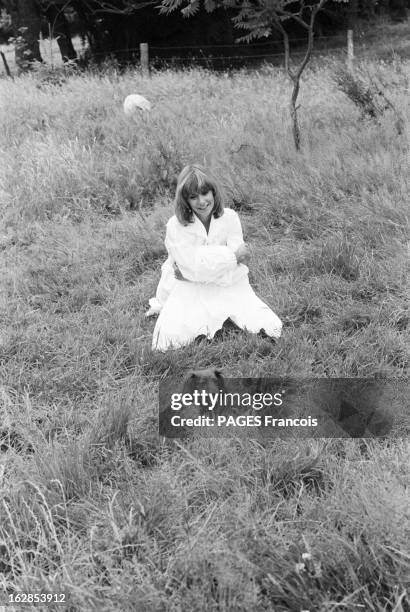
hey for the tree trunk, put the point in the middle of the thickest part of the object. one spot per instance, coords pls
(352, 14)
(294, 114)
(26, 22)
(295, 75)
(59, 29)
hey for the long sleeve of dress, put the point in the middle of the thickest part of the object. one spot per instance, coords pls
(235, 238)
(204, 264)
(165, 286)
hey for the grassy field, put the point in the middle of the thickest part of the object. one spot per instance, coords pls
(93, 504)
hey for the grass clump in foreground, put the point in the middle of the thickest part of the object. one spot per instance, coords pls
(93, 503)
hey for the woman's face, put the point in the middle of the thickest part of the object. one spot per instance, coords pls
(202, 204)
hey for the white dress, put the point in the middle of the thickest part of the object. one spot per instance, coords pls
(217, 287)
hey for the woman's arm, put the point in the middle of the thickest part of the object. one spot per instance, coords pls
(164, 288)
(201, 264)
(209, 263)
(235, 236)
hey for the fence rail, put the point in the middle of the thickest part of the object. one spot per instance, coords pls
(208, 54)
(210, 58)
(236, 46)
(145, 51)
(246, 45)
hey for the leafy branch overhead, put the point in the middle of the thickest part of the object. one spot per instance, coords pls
(259, 17)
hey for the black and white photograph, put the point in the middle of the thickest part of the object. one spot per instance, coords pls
(204, 305)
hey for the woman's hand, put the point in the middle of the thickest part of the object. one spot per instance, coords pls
(242, 254)
(178, 274)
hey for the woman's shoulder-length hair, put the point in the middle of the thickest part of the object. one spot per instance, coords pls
(194, 179)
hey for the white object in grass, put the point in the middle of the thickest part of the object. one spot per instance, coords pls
(151, 312)
(135, 103)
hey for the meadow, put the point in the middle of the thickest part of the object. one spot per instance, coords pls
(93, 503)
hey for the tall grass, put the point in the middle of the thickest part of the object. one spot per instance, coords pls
(93, 503)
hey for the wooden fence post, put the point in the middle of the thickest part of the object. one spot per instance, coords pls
(6, 66)
(144, 58)
(350, 51)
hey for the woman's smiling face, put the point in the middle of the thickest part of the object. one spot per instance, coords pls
(202, 204)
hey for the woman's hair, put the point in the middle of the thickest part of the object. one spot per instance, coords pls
(194, 179)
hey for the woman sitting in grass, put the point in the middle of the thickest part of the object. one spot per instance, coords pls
(204, 281)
